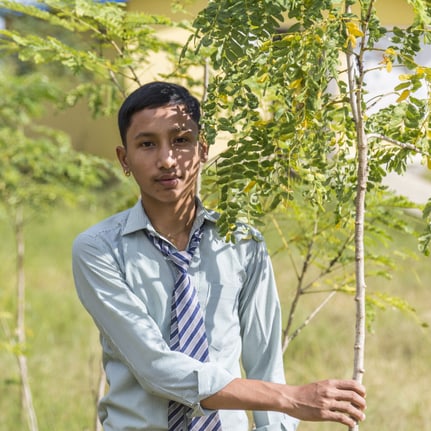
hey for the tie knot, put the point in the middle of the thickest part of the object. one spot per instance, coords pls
(181, 259)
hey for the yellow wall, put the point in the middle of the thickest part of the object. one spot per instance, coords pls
(100, 136)
(163, 7)
(97, 136)
(392, 12)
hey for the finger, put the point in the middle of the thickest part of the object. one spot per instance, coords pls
(351, 385)
(336, 416)
(353, 398)
(349, 410)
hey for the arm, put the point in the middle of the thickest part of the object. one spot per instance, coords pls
(340, 401)
(333, 400)
(260, 315)
(133, 335)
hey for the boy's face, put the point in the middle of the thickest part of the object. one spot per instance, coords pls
(163, 154)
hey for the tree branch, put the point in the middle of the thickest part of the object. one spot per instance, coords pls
(26, 396)
(299, 290)
(400, 144)
(309, 318)
(356, 92)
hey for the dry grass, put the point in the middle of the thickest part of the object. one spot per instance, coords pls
(398, 368)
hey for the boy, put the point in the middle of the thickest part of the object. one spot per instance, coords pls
(179, 309)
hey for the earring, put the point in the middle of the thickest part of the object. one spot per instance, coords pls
(126, 172)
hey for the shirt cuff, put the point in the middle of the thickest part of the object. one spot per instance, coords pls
(275, 421)
(211, 378)
(290, 426)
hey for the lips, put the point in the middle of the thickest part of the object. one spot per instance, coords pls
(168, 181)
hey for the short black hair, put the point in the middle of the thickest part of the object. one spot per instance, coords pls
(154, 95)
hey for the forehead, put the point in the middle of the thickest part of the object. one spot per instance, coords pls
(168, 116)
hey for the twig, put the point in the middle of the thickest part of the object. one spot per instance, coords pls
(206, 80)
(332, 263)
(310, 317)
(299, 288)
(285, 243)
(400, 144)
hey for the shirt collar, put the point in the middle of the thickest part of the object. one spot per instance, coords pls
(138, 220)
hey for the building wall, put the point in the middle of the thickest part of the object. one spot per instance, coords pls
(392, 12)
(100, 136)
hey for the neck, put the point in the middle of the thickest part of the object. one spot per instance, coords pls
(173, 222)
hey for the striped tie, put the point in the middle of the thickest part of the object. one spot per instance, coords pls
(187, 333)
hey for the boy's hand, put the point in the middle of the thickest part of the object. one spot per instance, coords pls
(340, 401)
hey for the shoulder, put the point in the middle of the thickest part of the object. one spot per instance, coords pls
(246, 232)
(243, 244)
(104, 232)
(241, 232)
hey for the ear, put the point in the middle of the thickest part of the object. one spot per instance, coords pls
(203, 149)
(122, 157)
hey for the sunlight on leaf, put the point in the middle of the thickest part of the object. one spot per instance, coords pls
(353, 29)
(403, 96)
(249, 186)
(389, 66)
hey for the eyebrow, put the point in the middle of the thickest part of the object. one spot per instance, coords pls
(171, 130)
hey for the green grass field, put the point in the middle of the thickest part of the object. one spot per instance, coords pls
(63, 350)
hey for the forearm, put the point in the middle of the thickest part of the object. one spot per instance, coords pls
(131, 335)
(331, 400)
(248, 394)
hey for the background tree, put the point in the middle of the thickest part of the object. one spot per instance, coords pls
(61, 52)
(105, 47)
(38, 169)
(298, 115)
(292, 105)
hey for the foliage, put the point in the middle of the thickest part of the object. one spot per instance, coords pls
(38, 167)
(100, 41)
(294, 112)
(279, 89)
(296, 117)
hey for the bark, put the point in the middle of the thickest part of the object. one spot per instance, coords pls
(26, 395)
(355, 71)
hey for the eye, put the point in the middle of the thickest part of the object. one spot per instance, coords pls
(146, 144)
(181, 140)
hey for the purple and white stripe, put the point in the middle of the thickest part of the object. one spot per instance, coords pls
(187, 333)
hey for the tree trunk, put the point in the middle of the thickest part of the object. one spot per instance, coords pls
(355, 72)
(26, 396)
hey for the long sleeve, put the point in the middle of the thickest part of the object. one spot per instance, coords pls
(260, 317)
(126, 285)
(134, 337)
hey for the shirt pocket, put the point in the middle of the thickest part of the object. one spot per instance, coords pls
(221, 315)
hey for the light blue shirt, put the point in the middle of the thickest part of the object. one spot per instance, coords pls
(126, 284)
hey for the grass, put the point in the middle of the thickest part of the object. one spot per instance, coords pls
(63, 349)
(397, 363)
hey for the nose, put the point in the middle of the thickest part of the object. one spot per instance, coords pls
(166, 157)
